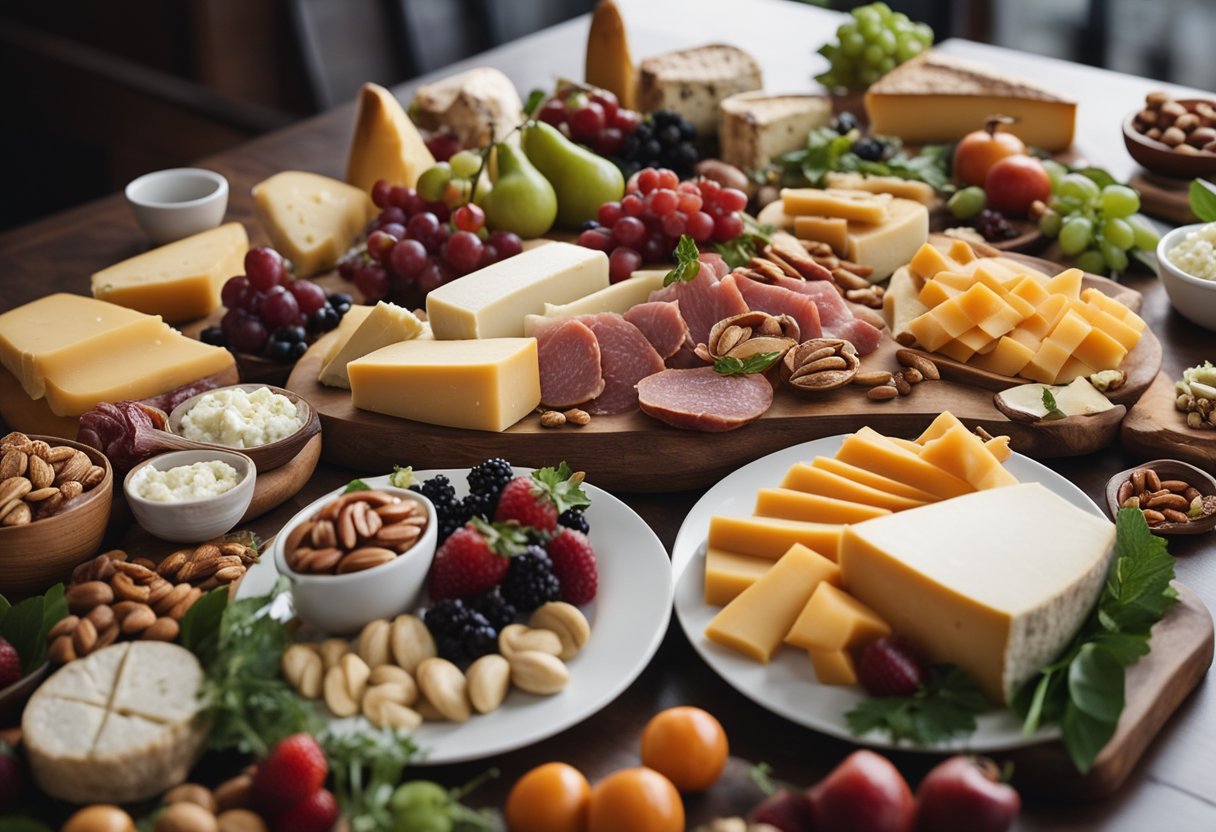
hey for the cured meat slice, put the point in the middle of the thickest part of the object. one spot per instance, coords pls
(715, 263)
(714, 269)
(704, 301)
(835, 316)
(662, 324)
(626, 358)
(777, 300)
(569, 357)
(702, 399)
(685, 358)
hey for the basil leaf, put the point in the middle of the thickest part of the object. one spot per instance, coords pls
(1095, 683)
(1203, 200)
(200, 626)
(22, 628)
(356, 485)
(731, 366)
(1049, 402)
(687, 264)
(1084, 736)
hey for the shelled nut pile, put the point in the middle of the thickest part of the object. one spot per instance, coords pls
(356, 531)
(39, 480)
(1196, 396)
(1164, 501)
(1185, 128)
(885, 386)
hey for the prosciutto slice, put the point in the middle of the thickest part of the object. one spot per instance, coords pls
(626, 357)
(835, 316)
(704, 300)
(778, 300)
(569, 357)
(662, 324)
(702, 399)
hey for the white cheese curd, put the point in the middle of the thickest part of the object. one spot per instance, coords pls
(1196, 254)
(237, 418)
(184, 483)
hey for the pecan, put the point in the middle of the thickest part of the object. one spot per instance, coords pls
(748, 334)
(820, 364)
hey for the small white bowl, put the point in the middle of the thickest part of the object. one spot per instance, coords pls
(196, 520)
(1193, 297)
(345, 603)
(175, 203)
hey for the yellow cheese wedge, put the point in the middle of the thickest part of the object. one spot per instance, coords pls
(833, 667)
(857, 206)
(486, 384)
(788, 504)
(386, 144)
(767, 537)
(887, 246)
(728, 574)
(998, 446)
(755, 622)
(921, 192)
(337, 338)
(811, 480)
(609, 64)
(871, 479)
(963, 454)
(831, 230)
(385, 324)
(311, 219)
(938, 427)
(1094, 297)
(27, 415)
(180, 281)
(874, 452)
(834, 620)
(1067, 283)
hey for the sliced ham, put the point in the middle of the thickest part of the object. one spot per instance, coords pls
(716, 264)
(835, 316)
(626, 357)
(778, 300)
(662, 324)
(569, 356)
(702, 399)
(704, 301)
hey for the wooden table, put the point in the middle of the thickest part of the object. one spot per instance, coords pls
(1173, 785)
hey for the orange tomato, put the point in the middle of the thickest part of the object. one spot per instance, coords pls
(686, 745)
(550, 798)
(635, 799)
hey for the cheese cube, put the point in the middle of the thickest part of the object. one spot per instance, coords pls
(619, 297)
(386, 144)
(831, 230)
(857, 206)
(1112, 307)
(767, 537)
(311, 219)
(871, 479)
(811, 480)
(834, 620)
(754, 128)
(921, 192)
(961, 252)
(936, 291)
(833, 667)
(1067, 283)
(996, 582)
(1007, 359)
(180, 281)
(927, 330)
(958, 350)
(888, 245)
(788, 504)
(1127, 335)
(1047, 363)
(929, 261)
(1071, 330)
(728, 574)
(385, 324)
(963, 454)
(694, 82)
(874, 452)
(492, 302)
(1100, 351)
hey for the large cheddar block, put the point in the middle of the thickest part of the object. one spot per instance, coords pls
(767, 537)
(871, 479)
(386, 144)
(180, 281)
(487, 384)
(493, 302)
(728, 574)
(834, 620)
(856, 206)
(756, 622)
(811, 480)
(311, 219)
(795, 505)
(385, 324)
(872, 451)
(833, 667)
(996, 582)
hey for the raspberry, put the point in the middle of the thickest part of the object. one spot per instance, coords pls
(494, 607)
(889, 667)
(530, 581)
(473, 559)
(574, 565)
(461, 634)
(573, 518)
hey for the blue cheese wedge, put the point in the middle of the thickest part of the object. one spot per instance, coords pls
(693, 82)
(756, 127)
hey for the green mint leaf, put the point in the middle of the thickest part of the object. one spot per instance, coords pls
(1203, 200)
(356, 485)
(730, 366)
(1095, 683)
(687, 264)
(402, 477)
(200, 626)
(1084, 736)
(1138, 590)
(22, 628)
(535, 99)
(1049, 402)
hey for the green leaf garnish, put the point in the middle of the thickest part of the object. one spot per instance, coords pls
(562, 485)
(944, 707)
(535, 99)
(1049, 402)
(741, 249)
(402, 477)
(762, 775)
(728, 365)
(827, 152)
(367, 765)
(687, 264)
(25, 625)
(1203, 200)
(356, 485)
(200, 626)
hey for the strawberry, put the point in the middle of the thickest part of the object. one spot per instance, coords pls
(316, 813)
(293, 771)
(10, 664)
(12, 780)
(889, 667)
(473, 559)
(574, 565)
(537, 500)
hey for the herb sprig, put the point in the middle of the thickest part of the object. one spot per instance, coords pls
(1053, 409)
(1203, 200)
(687, 265)
(728, 365)
(827, 152)
(367, 766)
(944, 707)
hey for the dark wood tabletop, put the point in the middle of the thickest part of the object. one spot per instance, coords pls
(1173, 785)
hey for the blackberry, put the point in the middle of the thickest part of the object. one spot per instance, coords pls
(461, 634)
(480, 505)
(844, 122)
(589, 225)
(451, 511)
(573, 518)
(665, 139)
(494, 608)
(530, 581)
(489, 479)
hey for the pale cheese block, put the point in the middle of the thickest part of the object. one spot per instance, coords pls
(479, 384)
(91, 682)
(855, 206)
(996, 582)
(694, 82)
(476, 105)
(492, 302)
(311, 219)
(386, 144)
(921, 192)
(619, 297)
(887, 246)
(754, 128)
(180, 281)
(385, 324)
(168, 752)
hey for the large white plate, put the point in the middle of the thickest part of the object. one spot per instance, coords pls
(787, 685)
(628, 620)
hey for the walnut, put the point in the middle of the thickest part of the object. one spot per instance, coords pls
(820, 364)
(748, 334)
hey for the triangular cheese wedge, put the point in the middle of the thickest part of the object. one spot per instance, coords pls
(386, 144)
(609, 64)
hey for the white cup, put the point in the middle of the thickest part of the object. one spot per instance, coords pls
(175, 203)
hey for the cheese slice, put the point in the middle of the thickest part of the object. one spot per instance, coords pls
(311, 219)
(938, 98)
(833, 667)
(492, 302)
(871, 479)
(619, 297)
(609, 64)
(996, 582)
(385, 324)
(921, 192)
(336, 339)
(754, 128)
(807, 478)
(834, 620)
(768, 537)
(874, 452)
(888, 245)
(857, 206)
(813, 508)
(180, 281)
(728, 574)
(386, 144)
(694, 82)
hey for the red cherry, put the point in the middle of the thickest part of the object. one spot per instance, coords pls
(469, 217)
(553, 112)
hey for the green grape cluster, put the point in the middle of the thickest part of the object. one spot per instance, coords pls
(870, 45)
(1096, 225)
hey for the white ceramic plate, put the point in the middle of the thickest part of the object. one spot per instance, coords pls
(628, 620)
(787, 685)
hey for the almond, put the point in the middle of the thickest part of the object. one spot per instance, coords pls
(59, 453)
(14, 488)
(40, 472)
(50, 505)
(39, 448)
(164, 629)
(102, 616)
(229, 574)
(176, 594)
(40, 494)
(18, 515)
(84, 637)
(365, 558)
(74, 468)
(186, 603)
(138, 619)
(14, 438)
(93, 476)
(13, 464)
(63, 627)
(158, 588)
(61, 650)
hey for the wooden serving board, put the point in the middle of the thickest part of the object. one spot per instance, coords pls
(1164, 197)
(1154, 428)
(279, 485)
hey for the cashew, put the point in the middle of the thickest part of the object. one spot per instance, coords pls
(303, 669)
(388, 706)
(411, 642)
(539, 673)
(428, 712)
(489, 680)
(567, 621)
(332, 650)
(372, 646)
(516, 638)
(390, 674)
(345, 684)
(445, 687)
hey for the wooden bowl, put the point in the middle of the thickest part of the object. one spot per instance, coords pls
(265, 457)
(13, 697)
(36, 555)
(1163, 159)
(1169, 469)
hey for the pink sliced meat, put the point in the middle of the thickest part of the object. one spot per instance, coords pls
(835, 316)
(702, 399)
(778, 300)
(626, 358)
(569, 357)
(662, 324)
(715, 263)
(704, 301)
(685, 358)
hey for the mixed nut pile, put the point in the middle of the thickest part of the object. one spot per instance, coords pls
(38, 479)
(1185, 128)
(1164, 501)
(1196, 392)
(355, 531)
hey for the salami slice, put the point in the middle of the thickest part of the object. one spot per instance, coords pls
(626, 357)
(569, 357)
(702, 399)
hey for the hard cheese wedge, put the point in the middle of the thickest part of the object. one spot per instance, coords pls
(834, 620)
(386, 144)
(996, 582)
(385, 324)
(487, 384)
(693, 82)
(619, 297)
(756, 127)
(728, 574)
(180, 281)
(609, 64)
(311, 219)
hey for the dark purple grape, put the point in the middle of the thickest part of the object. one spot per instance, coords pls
(407, 258)
(234, 291)
(324, 319)
(507, 243)
(264, 267)
(247, 335)
(279, 307)
(308, 295)
(214, 335)
(463, 251)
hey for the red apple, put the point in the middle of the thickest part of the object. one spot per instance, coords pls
(864, 792)
(965, 794)
(1014, 183)
(978, 151)
(787, 810)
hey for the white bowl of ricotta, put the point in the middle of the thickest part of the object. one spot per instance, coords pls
(268, 424)
(1184, 255)
(190, 496)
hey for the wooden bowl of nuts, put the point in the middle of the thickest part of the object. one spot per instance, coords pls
(1173, 137)
(1175, 496)
(55, 500)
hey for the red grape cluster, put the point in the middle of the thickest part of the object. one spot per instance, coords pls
(657, 208)
(592, 117)
(271, 314)
(414, 246)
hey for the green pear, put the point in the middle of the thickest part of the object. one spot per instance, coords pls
(583, 181)
(522, 200)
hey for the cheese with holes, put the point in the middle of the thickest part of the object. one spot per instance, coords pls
(833, 667)
(385, 324)
(756, 622)
(812, 480)
(311, 219)
(493, 302)
(483, 384)
(768, 537)
(813, 508)
(180, 281)
(754, 128)
(939, 98)
(834, 620)
(619, 297)
(728, 574)
(386, 144)
(694, 82)
(996, 582)
(117, 726)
